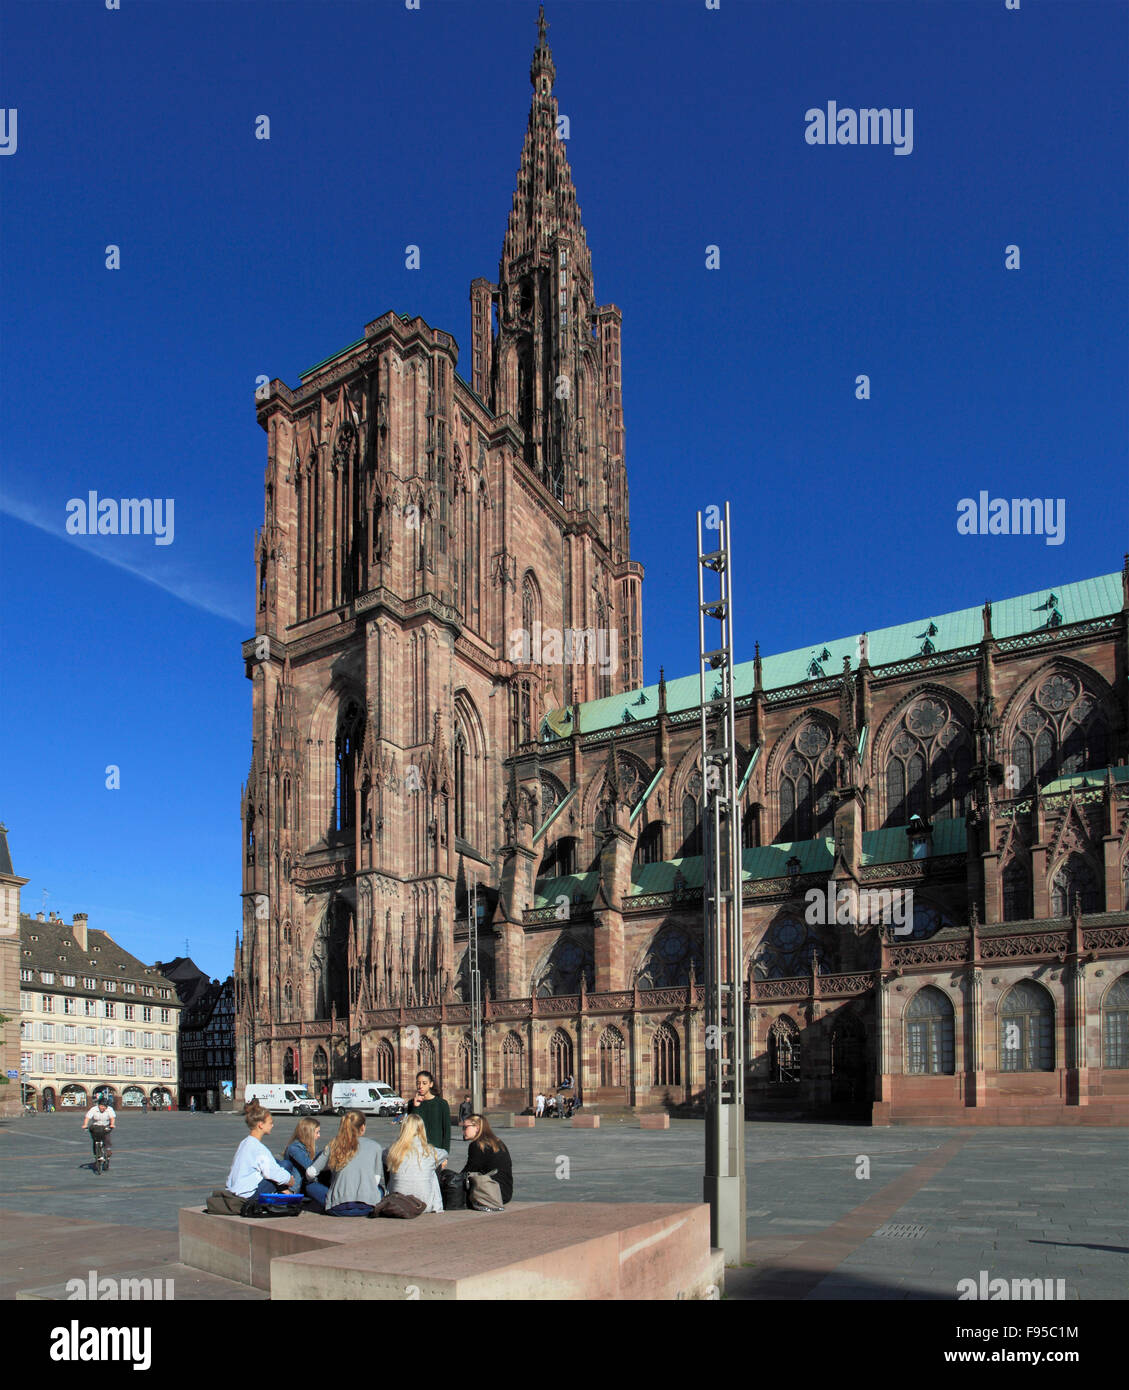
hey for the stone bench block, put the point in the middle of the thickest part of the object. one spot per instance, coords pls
(654, 1121)
(583, 1121)
(523, 1121)
(532, 1250)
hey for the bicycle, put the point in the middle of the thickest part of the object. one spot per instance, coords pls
(101, 1162)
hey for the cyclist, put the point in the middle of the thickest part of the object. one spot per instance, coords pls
(100, 1120)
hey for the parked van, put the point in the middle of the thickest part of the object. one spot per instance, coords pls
(290, 1100)
(370, 1097)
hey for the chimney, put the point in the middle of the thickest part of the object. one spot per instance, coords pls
(79, 929)
(39, 917)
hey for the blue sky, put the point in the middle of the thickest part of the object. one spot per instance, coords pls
(388, 127)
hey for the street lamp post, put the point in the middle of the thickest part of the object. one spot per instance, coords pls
(476, 1019)
(724, 1185)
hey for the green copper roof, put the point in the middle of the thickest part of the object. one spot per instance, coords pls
(1081, 780)
(1011, 617)
(890, 846)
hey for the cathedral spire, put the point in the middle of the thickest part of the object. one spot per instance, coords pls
(542, 66)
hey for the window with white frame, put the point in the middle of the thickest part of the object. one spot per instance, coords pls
(26, 1001)
(166, 1067)
(69, 981)
(69, 1034)
(47, 977)
(26, 976)
(48, 1061)
(147, 1066)
(46, 1032)
(129, 1013)
(146, 1014)
(165, 1015)
(48, 1003)
(70, 1004)
(111, 1066)
(128, 1066)
(89, 982)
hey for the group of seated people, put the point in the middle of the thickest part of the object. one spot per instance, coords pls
(353, 1174)
(555, 1107)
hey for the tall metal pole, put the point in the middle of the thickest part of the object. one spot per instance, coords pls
(476, 1039)
(724, 1185)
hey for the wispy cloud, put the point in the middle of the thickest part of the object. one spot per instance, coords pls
(188, 588)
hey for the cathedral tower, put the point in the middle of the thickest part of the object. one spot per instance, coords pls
(438, 567)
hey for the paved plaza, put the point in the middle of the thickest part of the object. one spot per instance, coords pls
(938, 1205)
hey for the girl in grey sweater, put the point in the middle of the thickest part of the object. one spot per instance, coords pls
(413, 1165)
(356, 1164)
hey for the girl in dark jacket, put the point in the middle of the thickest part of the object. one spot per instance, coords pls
(300, 1154)
(487, 1154)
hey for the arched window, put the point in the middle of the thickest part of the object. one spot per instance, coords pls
(784, 1052)
(929, 1034)
(513, 1063)
(649, 848)
(666, 1067)
(426, 1058)
(560, 1058)
(673, 952)
(928, 764)
(807, 780)
(286, 801)
(463, 1067)
(385, 1063)
(603, 644)
(1060, 730)
(288, 996)
(692, 816)
(521, 713)
(561, 859)
(531, 615)
(1017, 892)
(349, 729)
(1027, 1029)
(1115, 1024)
(289, 1067)
(1075, 882)
(321, 1068)
(460, 782)
(561, 969)
(785, 951)
(611, 1057)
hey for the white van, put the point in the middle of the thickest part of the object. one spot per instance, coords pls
(370, 1097)
(290, 1100)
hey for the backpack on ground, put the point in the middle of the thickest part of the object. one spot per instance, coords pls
(453, 1187)
(224, 1203)
(350, 1209)
(273, 1204)
(483, 1192)
(400, 1204)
